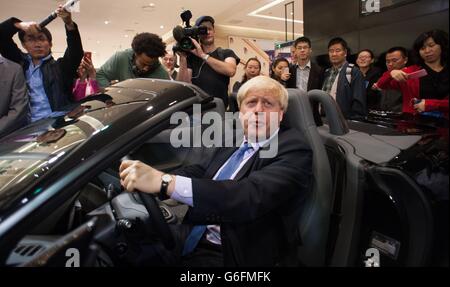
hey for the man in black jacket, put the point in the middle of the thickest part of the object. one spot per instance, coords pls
(49, 81)
(306, 75)
(207, 66)
(247, 202)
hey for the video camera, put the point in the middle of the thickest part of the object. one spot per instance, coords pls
(182, 35)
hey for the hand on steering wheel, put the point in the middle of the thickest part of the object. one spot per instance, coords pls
(154, 212)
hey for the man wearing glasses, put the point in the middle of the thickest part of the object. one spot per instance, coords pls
(306, 75)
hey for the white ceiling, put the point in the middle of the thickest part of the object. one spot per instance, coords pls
(126, 18)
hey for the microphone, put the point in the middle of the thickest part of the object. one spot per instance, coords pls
(178, 33)
(52, 16)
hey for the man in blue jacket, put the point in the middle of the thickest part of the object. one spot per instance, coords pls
(344, 82)
(49, 82)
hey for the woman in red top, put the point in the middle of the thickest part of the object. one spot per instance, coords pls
(430, 92)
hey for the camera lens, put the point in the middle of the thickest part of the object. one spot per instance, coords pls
(186, 44)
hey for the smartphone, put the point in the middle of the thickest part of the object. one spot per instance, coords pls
(88, 55)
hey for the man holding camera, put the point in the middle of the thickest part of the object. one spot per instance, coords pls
(207, 66)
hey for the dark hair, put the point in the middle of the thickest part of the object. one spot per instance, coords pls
(274, 64)
(440, 37)
(303, 39)
(278, 60)
(150, 44)
(398, 48)
(202, 19)
(244, 78)
(368, 51)
(339, 40)
(43, 30)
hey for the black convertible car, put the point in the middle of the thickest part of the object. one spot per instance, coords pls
(380, 189)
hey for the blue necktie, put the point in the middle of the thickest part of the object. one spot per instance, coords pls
(227, 171)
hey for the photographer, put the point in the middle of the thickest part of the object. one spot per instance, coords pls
(207, 66)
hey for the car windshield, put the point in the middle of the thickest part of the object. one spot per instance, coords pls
(32, 151)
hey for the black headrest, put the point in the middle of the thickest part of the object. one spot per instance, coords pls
(299, 113)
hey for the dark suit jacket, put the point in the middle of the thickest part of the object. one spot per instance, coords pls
(373, 96)
(315, 82)
(258, 211)
(315, 79)
(13, 97)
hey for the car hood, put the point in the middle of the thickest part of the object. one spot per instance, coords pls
(30, 154)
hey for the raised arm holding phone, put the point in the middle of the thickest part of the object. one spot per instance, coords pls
(86, 84)
(280, 71)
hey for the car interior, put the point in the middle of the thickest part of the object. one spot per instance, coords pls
(103, 197)
(116, 228)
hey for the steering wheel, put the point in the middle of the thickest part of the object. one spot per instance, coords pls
(157, 218)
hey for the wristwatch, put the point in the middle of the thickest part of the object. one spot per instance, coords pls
(165, 180)
(205, 58)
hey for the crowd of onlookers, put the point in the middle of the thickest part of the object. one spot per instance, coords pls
(414, 81)
(34, 85)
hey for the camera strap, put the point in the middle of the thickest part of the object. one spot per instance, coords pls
(221, 57)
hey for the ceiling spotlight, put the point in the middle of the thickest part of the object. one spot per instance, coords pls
(161, 27)
(257, 12)
(106, 22)
(149, 7)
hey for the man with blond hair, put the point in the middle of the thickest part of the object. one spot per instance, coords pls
(241, 205)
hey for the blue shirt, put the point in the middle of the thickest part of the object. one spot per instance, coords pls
(39, 104)
(183, 187)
